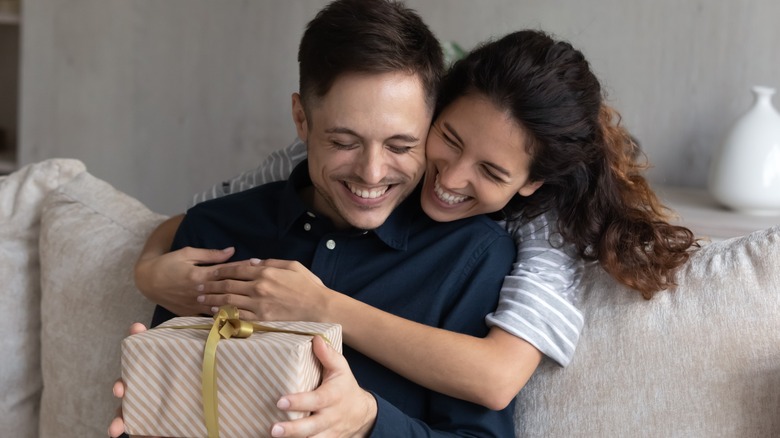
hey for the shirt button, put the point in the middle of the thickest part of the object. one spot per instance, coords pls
(307, 226)
(330, 244)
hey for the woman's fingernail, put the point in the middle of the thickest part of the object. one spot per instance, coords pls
(199, 288)
(283, 403)
(201, 298)
(214, 309)
(277, 430)
(228, 249)
(255, 261)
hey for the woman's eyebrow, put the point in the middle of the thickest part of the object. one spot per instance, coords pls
(452, 132)
(499, 169)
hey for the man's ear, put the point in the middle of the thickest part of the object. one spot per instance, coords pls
(529, 188)
(299, 117)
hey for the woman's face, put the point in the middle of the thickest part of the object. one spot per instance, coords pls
(477, 161)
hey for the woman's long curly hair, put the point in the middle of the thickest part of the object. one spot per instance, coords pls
(589, 164)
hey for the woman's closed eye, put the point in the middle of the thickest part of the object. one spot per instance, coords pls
(447, 137)
(492, 172)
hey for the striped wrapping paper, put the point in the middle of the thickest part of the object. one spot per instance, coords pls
(162, 371)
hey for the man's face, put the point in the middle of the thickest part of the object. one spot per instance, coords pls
(366, 145)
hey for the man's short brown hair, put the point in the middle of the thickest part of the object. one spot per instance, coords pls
(367, 36)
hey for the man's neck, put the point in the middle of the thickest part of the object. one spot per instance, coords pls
(307, 194)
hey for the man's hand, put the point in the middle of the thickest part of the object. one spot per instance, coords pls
(268, 290)
(339, 407)
(172, 279)
(117, 426)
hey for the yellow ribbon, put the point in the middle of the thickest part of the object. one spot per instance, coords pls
(227, 324)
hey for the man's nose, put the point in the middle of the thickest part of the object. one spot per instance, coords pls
(371, 165)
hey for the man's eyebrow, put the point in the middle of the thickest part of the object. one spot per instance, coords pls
(340, 130)
(403, 137)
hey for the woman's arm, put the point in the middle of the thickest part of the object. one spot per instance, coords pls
(488, 371)
(539, 293)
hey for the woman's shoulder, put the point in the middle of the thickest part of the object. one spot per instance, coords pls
(541, 227)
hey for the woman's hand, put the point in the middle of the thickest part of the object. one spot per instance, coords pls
(268, 290)
(339, 406)
(173, 279)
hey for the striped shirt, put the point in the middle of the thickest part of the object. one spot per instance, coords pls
(538, 298)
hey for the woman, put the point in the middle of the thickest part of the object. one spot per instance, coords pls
(522, 133)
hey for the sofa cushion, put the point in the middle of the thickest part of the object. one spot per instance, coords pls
(91, 235)
(702, 360)
(21, 195)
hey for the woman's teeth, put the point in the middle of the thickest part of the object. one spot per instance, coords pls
(449, 198)
(368, 194)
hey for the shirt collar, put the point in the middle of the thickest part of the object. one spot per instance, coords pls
(394, 232)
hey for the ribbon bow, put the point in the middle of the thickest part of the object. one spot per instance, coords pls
(227, 324)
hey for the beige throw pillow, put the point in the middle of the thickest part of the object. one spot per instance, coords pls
(21, 195)
(91, 235)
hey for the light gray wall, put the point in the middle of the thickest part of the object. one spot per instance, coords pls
(165, 97)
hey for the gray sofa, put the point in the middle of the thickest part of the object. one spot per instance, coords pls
(701, 361)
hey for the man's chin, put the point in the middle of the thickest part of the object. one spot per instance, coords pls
(364, 220)
(367, 224)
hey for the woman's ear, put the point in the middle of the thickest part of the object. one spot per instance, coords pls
(529, 188)
(299, 117)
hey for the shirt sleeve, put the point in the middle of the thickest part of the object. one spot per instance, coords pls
(538, 299)
(276, 167)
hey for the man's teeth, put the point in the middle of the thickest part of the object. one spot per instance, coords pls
(449, 198)
(368, 194)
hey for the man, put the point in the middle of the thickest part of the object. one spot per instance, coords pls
(351, 215)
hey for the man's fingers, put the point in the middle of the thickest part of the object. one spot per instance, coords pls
(136, 328)
(332, 361)
(320, 398)
(119, 388)
(305, 401)
(304, 427)
(117, 426)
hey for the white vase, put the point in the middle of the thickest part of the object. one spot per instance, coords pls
(745, 172)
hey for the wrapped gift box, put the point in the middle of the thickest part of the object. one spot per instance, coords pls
(162, 371)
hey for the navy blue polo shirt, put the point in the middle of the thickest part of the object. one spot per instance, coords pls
(445, 275)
